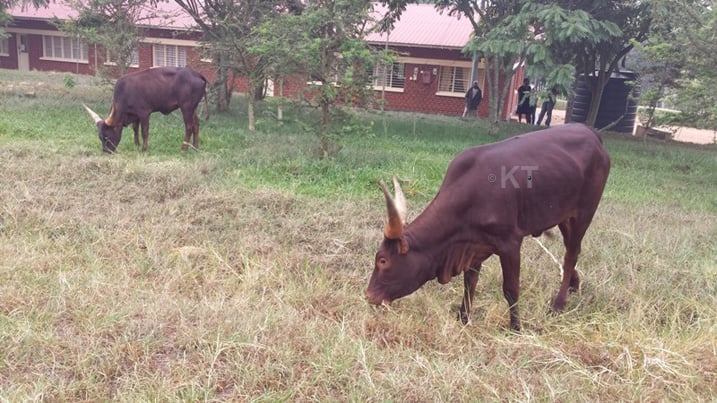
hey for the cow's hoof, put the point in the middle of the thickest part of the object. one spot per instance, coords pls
(558, 306)
(463, 317)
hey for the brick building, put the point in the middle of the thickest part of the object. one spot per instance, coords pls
(430, 75)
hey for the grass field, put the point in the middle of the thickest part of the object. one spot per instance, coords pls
(238, 272)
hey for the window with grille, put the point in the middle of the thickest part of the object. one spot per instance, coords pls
(4, 47)
(169, 55)
(110, 59)
(389, 76)
(454, 79)
(64, 48)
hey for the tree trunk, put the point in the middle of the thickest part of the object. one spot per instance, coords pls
(280, 104)
(251, 99)
(493, 75)
(220, 90)
(596, 88)
(222, 93)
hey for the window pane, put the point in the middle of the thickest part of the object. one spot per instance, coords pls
(171, 55)
(182, 59)
(379, 75)
(158, 51)
(459, 84)
(444, 79)
(66, 48)
(47, 44)
(76, 49)
(397, 75)
(56, 46)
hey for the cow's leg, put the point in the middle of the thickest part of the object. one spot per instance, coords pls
(470, 278)
(573, 231)
(510, 263)
(135, 127)
(195, 133)
(188, 128)
(145, 132)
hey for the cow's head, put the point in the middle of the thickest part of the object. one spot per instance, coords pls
(397, 271)
(109, 134)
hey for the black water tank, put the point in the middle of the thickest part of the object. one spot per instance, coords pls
(619, 98)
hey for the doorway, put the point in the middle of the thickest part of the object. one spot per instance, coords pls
(23, 57)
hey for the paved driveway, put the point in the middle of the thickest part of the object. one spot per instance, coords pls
(683, 134)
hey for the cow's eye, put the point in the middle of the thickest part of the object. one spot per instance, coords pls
(382, 261)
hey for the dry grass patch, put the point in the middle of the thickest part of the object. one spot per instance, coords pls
(132, 278)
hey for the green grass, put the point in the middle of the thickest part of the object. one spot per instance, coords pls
(237, 272)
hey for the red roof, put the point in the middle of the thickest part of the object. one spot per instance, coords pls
(164, 15)
(422, 25)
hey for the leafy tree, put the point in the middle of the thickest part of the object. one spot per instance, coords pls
(112, 24)
(550, 38)
(326, 43)
(228, 28)
(502, 45)
(687, 70)
(621, 24)
(275, 40)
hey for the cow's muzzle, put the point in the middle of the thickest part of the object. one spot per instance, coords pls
(376, 299)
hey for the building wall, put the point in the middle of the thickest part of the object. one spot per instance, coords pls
(34, 30)
(421, 65)
(10, 61)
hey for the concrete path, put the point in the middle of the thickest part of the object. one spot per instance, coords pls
(683, 134)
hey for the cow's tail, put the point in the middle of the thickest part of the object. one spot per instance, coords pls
(206, 97)
(206, 106)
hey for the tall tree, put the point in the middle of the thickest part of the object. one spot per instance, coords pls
(596, 58)
(324, 46)
(112, 24)
(336, 58)
(549, 38)
(276, 40)
(688, 71)
(228, 28)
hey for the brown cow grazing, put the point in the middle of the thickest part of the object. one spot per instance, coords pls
(137, 95)
(491, 198)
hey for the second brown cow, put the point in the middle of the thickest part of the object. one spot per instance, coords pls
(137, 95)
(491, 198)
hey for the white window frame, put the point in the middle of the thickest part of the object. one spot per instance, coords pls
(453, 80)
(109, 60)
(160, 55)
(4, 47)
(393, 81)
(64, 49)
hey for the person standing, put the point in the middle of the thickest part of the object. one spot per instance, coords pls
(547, 108)
(473, 97)
(524, 101)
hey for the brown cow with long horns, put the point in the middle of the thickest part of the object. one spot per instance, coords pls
(137, 95)
(491, 198)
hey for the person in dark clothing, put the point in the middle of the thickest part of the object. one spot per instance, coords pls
(547, 108)
(524, 107)
(473, 97)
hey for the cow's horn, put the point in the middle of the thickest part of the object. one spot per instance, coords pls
(111, 118)
(93, 115)
(400, 200)
(396, 211)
